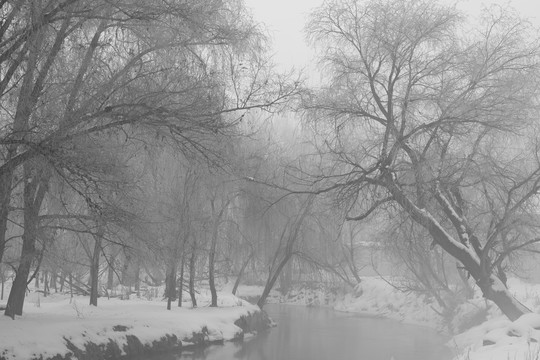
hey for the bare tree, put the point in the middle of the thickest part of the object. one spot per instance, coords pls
(219, 213)
(290, 234)
(78, 72)
(420, 116)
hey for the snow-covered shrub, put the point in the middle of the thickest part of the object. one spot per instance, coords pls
(469, 314)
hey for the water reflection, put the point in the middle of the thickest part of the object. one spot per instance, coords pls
(321, 334)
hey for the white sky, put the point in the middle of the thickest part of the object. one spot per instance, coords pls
(285, 20)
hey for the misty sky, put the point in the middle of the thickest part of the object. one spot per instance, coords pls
(285, 20)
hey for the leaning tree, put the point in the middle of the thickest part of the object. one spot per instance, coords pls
(426, 114)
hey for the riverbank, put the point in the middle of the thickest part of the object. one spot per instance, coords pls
(498, 338)
(59, 327)
(374, 296)
(477, 330)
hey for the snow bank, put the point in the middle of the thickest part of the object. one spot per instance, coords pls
(50, 324)
(496, 338)
(374, 296)
(500, 339)
(252, 293)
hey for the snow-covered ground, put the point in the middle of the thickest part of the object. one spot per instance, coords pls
(375, 296)
(500, 339)
(48, 321)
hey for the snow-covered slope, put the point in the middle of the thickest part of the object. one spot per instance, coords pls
(49, 323)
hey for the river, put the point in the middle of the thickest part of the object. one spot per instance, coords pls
(313, 333)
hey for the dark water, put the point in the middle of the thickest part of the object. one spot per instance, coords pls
(323, 334)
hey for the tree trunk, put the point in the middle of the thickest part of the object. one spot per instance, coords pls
(285, 278)
(494, 290)
(292, 237)
(469, 291)
(181, 281)
(492, 287)
(138, 277)
(171, 286)
(351, 260)
(34, 187)
(272, 280)
(45, 283)
(62, 280)
(71, 285)
(94, 267)
(241, 273)
(18, 289)
(3, 279)
(5, 198)
(34, 191)
(192, 273)
(211, 262)
(213, 246)
(126, 278)
(110, 272)
(354, 271)
(52, 285)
